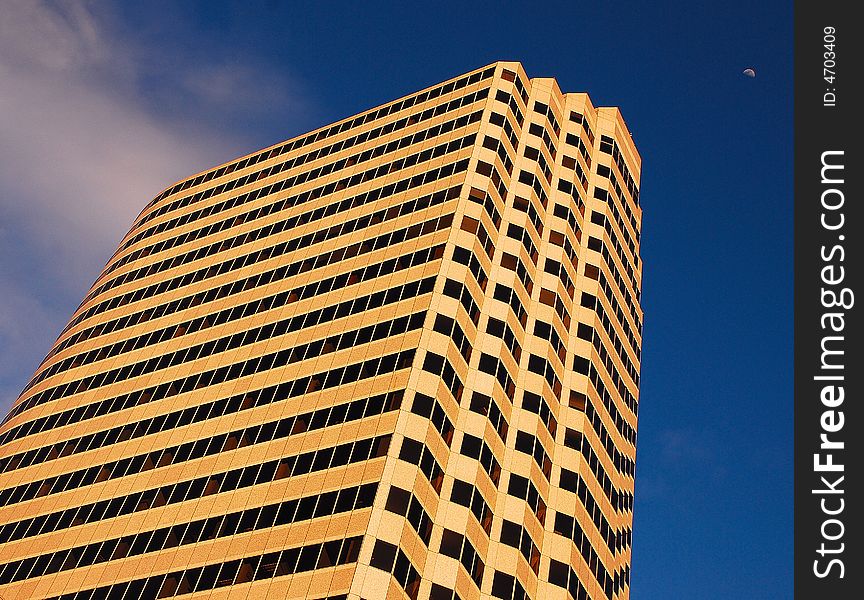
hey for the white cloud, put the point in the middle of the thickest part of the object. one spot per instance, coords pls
(82, 151)
(78, 164)
(234, 85)
(56, 37)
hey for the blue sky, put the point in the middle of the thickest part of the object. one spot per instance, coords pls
(104, 104)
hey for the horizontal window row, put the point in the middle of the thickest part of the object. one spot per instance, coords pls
(275, 187)
(242, 239)
(412, 206)
(208, 446)
(256, 307)
(342, 127)
(194, 414)
(237, 263)
(272, 228)
(236, 572)
(404, 503)
(391, 559)
(409, 207)
(383, 241)
(224, 344)
(88, 411)
(278, 205)
(202, 530)
(331, 378)
(244, 477)
(173, 331)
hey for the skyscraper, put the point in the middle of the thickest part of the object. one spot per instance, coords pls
(395, 357)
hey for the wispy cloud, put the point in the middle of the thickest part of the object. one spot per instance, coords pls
(232, 86)
(88, 135)
(56, 37)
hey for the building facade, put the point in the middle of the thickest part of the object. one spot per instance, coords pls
(395, 357)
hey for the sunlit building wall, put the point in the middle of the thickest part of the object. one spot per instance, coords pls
(397, 356)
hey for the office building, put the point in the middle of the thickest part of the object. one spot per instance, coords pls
(395, 357)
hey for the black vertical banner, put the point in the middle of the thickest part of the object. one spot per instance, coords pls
(829, 300)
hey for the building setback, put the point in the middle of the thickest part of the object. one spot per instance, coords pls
(395, 357)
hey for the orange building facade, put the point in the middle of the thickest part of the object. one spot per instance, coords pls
(395, 357)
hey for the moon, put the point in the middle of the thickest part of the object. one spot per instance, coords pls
(749, 72)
